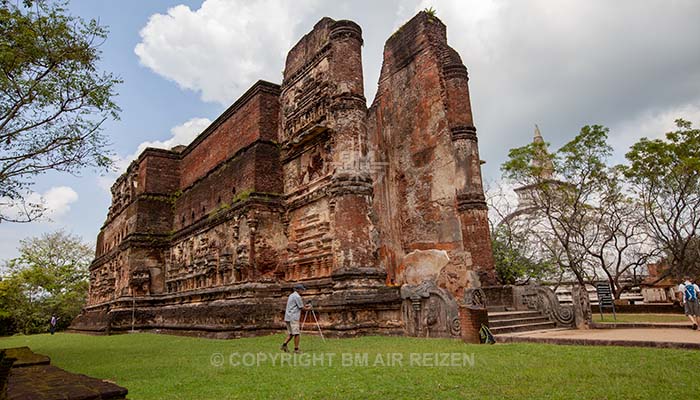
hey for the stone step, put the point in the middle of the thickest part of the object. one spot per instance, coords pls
(506, 315)
(500, 309)
(523, 328)
(518, 321)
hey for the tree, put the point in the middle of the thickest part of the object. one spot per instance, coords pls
(617, 237)
(578, 212)
(53, 99)
(49, 277)
(516, 260)
(665, 174)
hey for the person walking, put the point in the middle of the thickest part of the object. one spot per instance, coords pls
(689, 293)
(291, 317)
(52, 324)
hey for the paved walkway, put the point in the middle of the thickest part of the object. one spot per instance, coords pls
(643, 337)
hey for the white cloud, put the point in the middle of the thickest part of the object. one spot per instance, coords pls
(56, 202)
(224, 46)
(562, 64)
(180, 134)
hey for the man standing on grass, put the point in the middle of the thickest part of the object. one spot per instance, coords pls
(689, 292)
(52, 323)
(291, 317)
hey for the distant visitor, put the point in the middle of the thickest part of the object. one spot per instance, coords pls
(52, 324)
(689, 297)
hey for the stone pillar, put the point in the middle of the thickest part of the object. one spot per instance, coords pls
(582, 307)
(324, 152)
(431, 196)
(351, 184)
(471, 202)
(252, 221)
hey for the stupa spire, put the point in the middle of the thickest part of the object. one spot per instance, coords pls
(542, 159)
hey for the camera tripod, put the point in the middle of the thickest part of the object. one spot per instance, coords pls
(313, 314)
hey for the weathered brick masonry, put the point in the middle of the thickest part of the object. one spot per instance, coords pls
(379, 212)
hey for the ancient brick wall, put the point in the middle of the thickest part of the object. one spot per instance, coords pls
(252, 117)
(302, 183)
(158, 172)
(227, 214)
(222, 186)
(323, 130)
(421, 122)
(187, 193)
(471, 320)
(245, 243)
(119, 227)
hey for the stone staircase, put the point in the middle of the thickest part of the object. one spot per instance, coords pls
(519, 310)
(518, 321)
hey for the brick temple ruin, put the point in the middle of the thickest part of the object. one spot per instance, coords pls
(379, 212)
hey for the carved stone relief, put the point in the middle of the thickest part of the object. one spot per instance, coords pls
(543, 299)
(429, 311)
(305, 104)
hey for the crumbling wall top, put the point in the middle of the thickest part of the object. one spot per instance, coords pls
(420, 33)
(315, 41)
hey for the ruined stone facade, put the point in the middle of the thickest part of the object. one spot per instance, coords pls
(380, 212)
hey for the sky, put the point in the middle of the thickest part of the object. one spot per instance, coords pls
(633, 66)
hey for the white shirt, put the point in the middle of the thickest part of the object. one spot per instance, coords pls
(294, 307)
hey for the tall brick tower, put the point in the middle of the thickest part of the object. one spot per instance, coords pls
(324, 135)
(430, 200)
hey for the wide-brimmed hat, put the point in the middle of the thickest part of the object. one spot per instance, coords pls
(299, 286)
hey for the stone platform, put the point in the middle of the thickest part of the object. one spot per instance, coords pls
(678, 338)
(31, 377)
(346, 306)
(25, 357)
(631, 325)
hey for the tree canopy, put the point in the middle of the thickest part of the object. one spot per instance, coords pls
(665, 176)
(575, 211)
(49, 277)
(53, 99)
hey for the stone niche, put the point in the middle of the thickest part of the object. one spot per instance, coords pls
(380, 212)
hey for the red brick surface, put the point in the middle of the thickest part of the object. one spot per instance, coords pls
(423, 98)
(471, 319)
(301, 182)
(253, 117)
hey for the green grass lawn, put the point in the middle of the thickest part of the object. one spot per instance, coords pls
(171, 367)
(641, 318)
